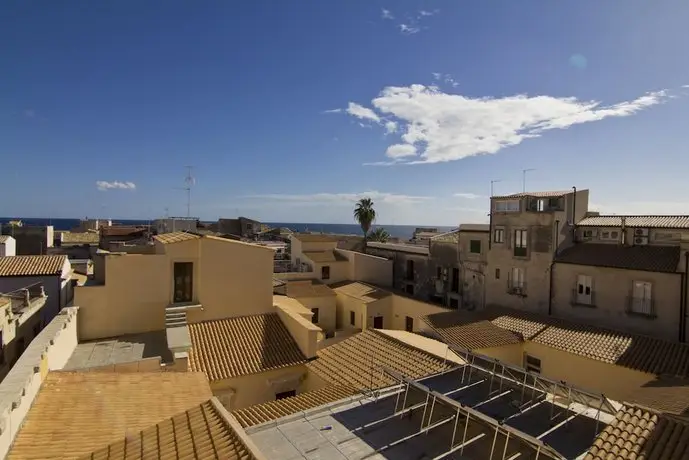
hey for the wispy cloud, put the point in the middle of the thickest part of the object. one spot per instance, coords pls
(390, 127)
(444, 127)
(115, 185)
(468, 196)
(446, 78)
(426, 13)
(386, 14)
(409, 29)
(333, 111)
(334, 199)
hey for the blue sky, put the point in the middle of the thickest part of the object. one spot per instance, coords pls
(290, 110)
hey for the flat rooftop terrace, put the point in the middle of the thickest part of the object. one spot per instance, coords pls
(471, 412)
(120, 350)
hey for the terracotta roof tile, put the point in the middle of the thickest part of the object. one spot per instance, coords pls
(448, 237)
(356, 361)
(199, 433)
(321, 257)
(668, 394)
(123, 230)
(80, 237)
(637, 433)
(76, 413)
(273, 410)
(361, 291)
(642, 353)
(457, 329)
(176, 237)
(636, 221)
(546, 194)
(647, 258)
(231, 347)
(308, 288)
(4, 238)
(31, 265)
(317, 237)
(484, 228)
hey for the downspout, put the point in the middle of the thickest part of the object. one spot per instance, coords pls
(683, 302)
(552, 269)
(574, 213)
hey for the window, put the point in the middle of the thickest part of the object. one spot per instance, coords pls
(410, 270)
(438, 272)
(378, 322)
(455, 280)
(610, 235)
(285, 394)
(475, 246)
(352, 318)
(515, 283)
(497, 273)
(454, 303)
(584, 290)
(314, 318)
(588, 234)
(409, 324)
(507, 206)
(532, 364)
(499, 235)
(641, 301)
(325, 272)
(520, 243)
(409, 289)
(183, 275)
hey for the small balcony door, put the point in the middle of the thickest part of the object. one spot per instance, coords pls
(378, 322)
(584, 290)
(183, 277)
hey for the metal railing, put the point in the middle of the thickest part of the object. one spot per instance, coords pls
(520, 251)
(516, 287)
(23, 297)
(583, 300)
(642, 306)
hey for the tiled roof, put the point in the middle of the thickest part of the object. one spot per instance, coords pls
(122, 230)
(456, 329)
(4, 238)
(199, 433)
(76, 413)
(669, 394)
(357, 360)
(636, 221)
(31, 265)
(320, 257)
(547, 194)
(232, 347)
(308, 288)
(176, 237)
(80, 237)
(360, 291)
(646, 258)
(637, 433)
(448, 237)
(273, 410)
(642, 353)
(474, 228)
(316, 237)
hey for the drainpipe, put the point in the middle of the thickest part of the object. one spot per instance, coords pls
(552, 269)
(683, 300)
(574, 213)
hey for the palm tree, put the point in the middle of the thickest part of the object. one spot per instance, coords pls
(380, 235)
(365, 215)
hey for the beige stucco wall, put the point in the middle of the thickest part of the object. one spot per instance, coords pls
(230, 279)
(253, 389)
(588, 374)
(327, 310)
(368, 268)
(610, 288)
(303, 331)
(508, 354)
(345, 304)
(339, 271)
(406, 306)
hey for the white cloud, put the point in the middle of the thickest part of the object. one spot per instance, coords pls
(105, 185)
(390, 127)
(468, 196)
(333, 111)
(437, 75)
(447, 127)
(400, 151)
(361, 112)
(423, 13)
(320, 199)
(407, 29)
(386, 14)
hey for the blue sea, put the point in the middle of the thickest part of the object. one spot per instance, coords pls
(398, 231)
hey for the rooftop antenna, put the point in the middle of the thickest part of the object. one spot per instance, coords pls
(189, 181)
(492, 183)
(524, 171)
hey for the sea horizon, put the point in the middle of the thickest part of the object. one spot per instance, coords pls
(395, 231)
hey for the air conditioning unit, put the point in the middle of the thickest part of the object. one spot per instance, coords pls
(640, 240)
(641, 232)
(589, 233)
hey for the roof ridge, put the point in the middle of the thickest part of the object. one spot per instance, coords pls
(402, 342)
(237, 317)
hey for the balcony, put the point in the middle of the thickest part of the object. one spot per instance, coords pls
(24, 298)
(583, 300)
(515, 287)
(545, 204)
(641, 306)
(520, 251)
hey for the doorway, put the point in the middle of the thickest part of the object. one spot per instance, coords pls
(378, 322)
(183, 275)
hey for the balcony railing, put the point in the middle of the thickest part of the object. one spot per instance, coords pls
(583, 300)
(520, 251)
(24, 297)
(516, 287)
(642, 306)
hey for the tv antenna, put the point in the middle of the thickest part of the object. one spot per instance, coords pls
(189, 182)
(524, 171)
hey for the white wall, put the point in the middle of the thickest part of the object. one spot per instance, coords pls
(9, 247)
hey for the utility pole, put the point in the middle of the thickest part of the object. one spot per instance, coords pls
(189, 181)
(524, 171)
(492, 183)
